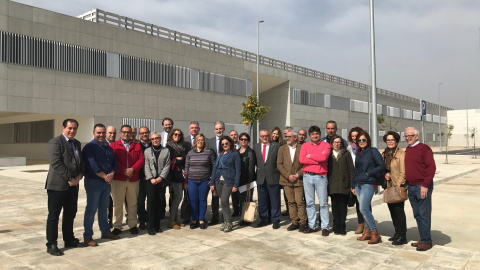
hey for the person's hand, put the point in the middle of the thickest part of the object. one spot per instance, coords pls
(71, 182)
(307, 156)
(387, 176)
(212, 188)
(234, 189)
(248, 186)
(129, 172)
(423, 192)
(292, 178)
(354, 192)
(179, 158)
(153, 181)
(185, 185)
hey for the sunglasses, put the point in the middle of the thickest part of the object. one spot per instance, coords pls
(362, 140)
(243, 139)
(225, 144)
(177, 134)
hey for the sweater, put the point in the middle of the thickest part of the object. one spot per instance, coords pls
(419, 165)
(199, 165)
(318, 160)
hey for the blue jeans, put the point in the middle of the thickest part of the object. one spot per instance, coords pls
(198, 193)
(422, 211)
(98, 198)
(318, 184)
(364, 195)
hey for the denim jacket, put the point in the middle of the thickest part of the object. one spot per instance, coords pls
(231, 173)
(368, 166)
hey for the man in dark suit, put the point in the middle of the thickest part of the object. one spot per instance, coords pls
(213, 143)
(64, 174)
(194, 129)
(267, 179)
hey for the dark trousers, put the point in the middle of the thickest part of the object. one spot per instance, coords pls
(142, 194)
(399, 219)
(155, 197)
(237, 205)
(286, 200)
(339, 211)
(215, 207)
(58, 200)
(268, 192)
(110, 211)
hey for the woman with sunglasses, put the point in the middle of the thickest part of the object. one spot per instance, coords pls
(226, 178)
(198, 168)
(368, 167)
(394, 158)
(157, 166)
(248, 174)
(176, 146)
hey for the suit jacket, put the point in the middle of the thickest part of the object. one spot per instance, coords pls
(267, 171)
(212, 144)
(286, 167)
(63, 166)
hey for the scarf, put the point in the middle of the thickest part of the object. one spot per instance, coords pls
(178, 147)
(388, 156)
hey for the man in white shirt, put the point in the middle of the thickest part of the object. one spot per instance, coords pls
(167, 124)
(234, 136)
(213, 143)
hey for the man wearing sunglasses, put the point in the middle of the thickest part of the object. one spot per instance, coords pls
(419, 172)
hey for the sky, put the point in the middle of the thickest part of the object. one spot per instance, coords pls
(418, 44)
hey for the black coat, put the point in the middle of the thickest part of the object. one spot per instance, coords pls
(249, 161)
(340, 172)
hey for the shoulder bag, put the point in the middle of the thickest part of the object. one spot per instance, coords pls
(394, 194)
(249, 209)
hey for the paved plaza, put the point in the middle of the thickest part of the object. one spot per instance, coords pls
(23, 208)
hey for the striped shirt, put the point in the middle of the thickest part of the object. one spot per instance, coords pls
(199, 165)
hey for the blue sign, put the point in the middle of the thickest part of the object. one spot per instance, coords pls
(423, 107)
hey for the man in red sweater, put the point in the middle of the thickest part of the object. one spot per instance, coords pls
(419, 172)
(130, 160)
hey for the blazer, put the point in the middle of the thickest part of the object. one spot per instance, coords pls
(397, 167)
(212, 144)
(368, 167)
(63, 166)
(249, 161)
(163, 164)
(286, 167)
(340, 172)
(267, 171)
(231, 173)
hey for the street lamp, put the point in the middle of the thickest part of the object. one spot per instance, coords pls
(374, 133)
(258, 84)
(439, 118)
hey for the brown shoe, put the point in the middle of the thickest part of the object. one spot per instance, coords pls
(110, 236)
(173, 225)
(90, 243)
(325, 232)
(424, 247)
(365, 236)
(360, 228)
(415, 244)
(375, 238)
(180, 224)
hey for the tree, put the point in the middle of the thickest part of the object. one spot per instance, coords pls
(387, 123)
(449, 135)
(253, 111)
(473, 134)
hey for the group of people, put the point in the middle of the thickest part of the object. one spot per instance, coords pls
(127, 172)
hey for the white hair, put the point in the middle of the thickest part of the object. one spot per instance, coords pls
(415, 131)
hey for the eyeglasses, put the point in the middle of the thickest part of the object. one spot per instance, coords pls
(390, 140)
(361, 140)
(126, 132)
(142, 133)
(409, 136)
(264, 136)
(337, 142)
(177, 134)
(243, 139)
(287, 137)
(225, 144)
(155, 138)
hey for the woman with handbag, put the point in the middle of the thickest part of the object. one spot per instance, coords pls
(340, 173)
(248, 174)
(198, 169)
(176, 146)
(157, 166)
(225, 178)
(394, 158)
(368, 166)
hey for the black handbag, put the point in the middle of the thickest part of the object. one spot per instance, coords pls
(186, 209)
(351, 199)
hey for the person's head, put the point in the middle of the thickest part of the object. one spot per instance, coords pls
(287, 128)
(69, 128)
(167, 124)
(226, 144)
(111, 133)
(276, 135)
(219, 128)
(411, 135)
(133, 135)
(314, 133)
(244, 139)
(126, 133)
(194, 128)
(302, 136)
(156, 139)
(99, 133)
(234, 136)
(392, 139)
(364, 140)
(199, 143)
(264, 136)
(291, 137)
(352, 135)
(144, 134)
(336, 142)
(176, 135)
(331, 128)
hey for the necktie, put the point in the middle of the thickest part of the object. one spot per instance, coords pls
(264, 152)
(72, 146)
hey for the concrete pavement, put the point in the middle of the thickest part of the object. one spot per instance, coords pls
(455, 221)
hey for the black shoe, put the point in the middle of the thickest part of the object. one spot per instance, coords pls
(302, 227)
(325, 232)
(117, 231)
(236, 214)
(203, 226)
(285, 213)
(142, 226)
(158, 230)
(244, 223)
(401, 240)
(262, 224)
(151, 232)
(53, 250)
(75, 244)
(186, 221)
(276, 225)
(393, 238)
(293, 227)
(194, 225)
(213, 222)
(110, 223)
(134, 230)
(309, 230)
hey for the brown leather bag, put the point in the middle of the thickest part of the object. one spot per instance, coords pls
(394, 194)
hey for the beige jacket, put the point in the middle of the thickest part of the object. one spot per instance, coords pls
(397, 167)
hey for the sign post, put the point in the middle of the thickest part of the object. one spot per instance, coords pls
(423, 109)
